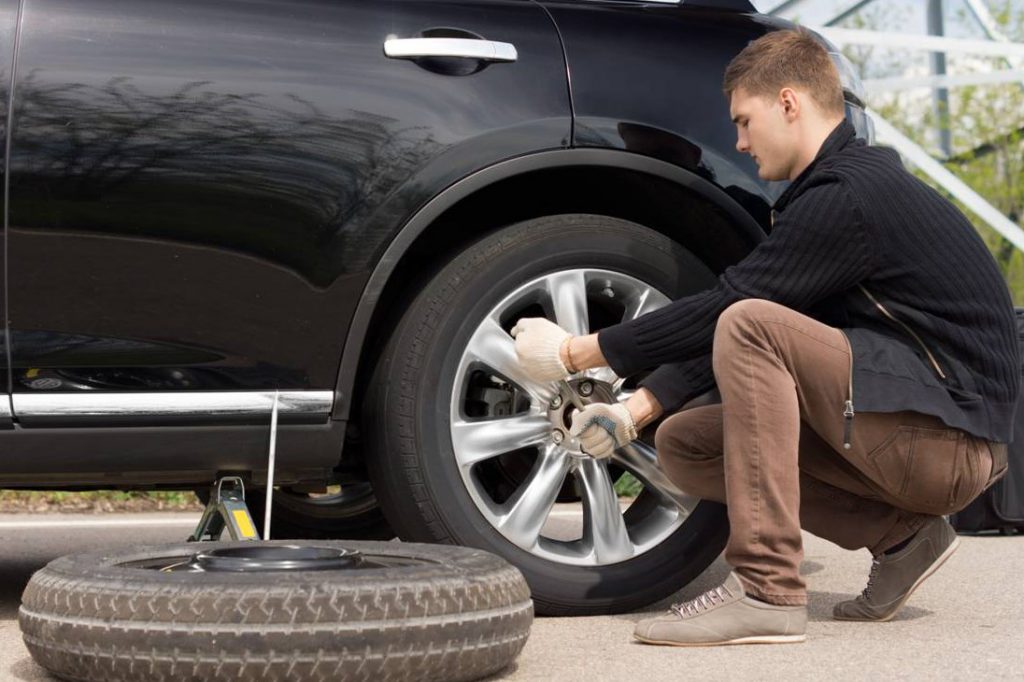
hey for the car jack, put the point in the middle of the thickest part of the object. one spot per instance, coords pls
(226, 508)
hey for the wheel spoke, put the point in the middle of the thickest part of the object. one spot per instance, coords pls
(605, 374)
(607, 528)
(492, 346)
(475, 441)
(643, 302)
(569, 297)
(524, 515)
(641, 461)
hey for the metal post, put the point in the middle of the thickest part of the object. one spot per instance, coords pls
(938, 64)
(270, 468)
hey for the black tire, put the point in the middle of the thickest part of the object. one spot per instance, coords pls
(412, 464)
(453, 614)
(351, 514)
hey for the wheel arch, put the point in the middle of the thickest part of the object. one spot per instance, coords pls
(601, 181)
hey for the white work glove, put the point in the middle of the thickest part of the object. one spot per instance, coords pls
(602, 428)
(538, 346)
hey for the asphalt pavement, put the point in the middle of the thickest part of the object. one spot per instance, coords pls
(965, 623)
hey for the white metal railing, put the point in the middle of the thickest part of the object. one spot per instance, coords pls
(912, 152)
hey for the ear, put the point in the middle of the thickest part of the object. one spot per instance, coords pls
(789, 102)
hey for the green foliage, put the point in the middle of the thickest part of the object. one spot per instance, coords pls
(97, 500)
(986, 124)
(628, 485)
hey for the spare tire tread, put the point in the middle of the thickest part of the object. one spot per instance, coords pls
(466, 616)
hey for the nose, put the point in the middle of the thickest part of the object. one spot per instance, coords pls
(741, 143)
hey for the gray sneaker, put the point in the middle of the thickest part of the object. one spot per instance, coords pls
(725, 615)
(894, 577)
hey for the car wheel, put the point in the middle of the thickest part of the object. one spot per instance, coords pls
(274, 611)
(467, 450)
(348, 512)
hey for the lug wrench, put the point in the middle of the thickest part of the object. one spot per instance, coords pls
(573, 396)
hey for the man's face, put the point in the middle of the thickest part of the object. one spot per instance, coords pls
(764, 131)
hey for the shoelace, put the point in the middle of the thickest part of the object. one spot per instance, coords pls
(703, 602)
(866, 592)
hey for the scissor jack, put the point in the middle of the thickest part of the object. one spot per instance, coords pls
(226, 509)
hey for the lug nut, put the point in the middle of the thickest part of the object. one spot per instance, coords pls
(609, 292)
(557, 436)
(556, 403)
(586, 388)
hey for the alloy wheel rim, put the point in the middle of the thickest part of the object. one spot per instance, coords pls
(608, 534)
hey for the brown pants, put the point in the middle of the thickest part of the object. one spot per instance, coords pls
(773, 452)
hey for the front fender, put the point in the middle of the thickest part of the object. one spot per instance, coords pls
(749, 229)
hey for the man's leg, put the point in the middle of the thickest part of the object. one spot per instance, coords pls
(776, 368)
(690, 452)
(783, 378)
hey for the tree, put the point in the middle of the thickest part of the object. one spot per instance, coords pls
(986, 121)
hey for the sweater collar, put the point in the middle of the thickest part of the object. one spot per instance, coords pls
(839, 138)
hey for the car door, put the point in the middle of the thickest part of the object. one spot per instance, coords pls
(199, 188)
(8, 31)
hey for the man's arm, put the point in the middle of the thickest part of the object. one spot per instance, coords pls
(819, 246)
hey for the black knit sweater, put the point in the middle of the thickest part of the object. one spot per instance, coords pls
(856, 218)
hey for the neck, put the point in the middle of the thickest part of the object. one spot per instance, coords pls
(815, 139)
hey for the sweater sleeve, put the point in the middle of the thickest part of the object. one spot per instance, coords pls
(677, 383)
(818, 247)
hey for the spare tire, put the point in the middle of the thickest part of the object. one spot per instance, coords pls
(277, 611)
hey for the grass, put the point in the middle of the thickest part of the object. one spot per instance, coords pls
(97, 500)
(628, 485)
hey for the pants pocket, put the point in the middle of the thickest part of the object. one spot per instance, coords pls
(927, 470)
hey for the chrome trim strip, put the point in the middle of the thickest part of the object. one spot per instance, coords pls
(468, 48)
(183, 404)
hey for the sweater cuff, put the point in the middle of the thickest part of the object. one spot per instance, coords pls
(619, 347)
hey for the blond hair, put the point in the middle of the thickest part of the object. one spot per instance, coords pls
(790, 58)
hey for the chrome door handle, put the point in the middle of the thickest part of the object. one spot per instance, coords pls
(465, 48)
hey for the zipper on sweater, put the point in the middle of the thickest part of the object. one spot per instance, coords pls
(848, 413)
(909, 331)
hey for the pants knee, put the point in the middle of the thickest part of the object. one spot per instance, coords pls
(737, 324)
(679, 438)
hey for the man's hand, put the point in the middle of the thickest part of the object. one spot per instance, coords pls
(538, 346)
(602, 428)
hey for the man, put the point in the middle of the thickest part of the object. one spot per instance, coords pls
(865, 353)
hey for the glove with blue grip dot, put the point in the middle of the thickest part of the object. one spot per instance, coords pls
(602, 428)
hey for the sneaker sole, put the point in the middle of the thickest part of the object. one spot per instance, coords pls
(759, 639)
(898, 605)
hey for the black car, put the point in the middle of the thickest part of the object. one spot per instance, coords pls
(344, 206)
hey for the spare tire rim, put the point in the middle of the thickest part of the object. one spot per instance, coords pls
(259, 557)
(609, 535)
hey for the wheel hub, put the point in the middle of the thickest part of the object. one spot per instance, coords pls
(562, 408)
